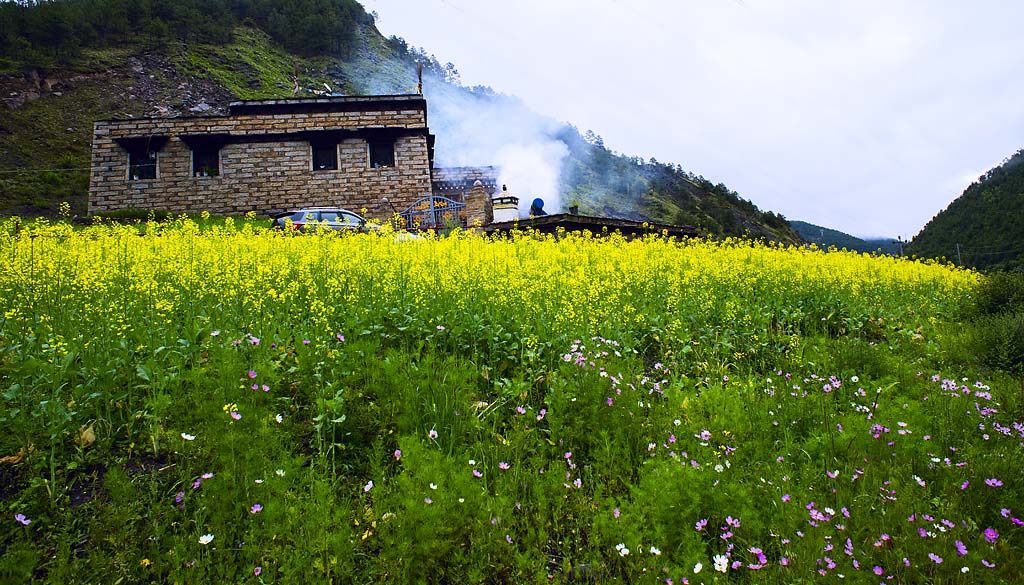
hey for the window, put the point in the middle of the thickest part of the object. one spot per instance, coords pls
(142, 155)
(341, 219)
(325, 157)
(205, 161)
(382, 154)
(141, 164)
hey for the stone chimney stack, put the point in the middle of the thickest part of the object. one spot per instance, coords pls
(479, 208)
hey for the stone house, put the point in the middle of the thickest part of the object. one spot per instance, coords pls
(267, 156)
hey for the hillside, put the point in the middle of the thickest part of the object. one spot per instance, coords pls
(826, 238)
(65, 64)
(982, 227)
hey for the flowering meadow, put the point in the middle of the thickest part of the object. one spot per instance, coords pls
(228, 404)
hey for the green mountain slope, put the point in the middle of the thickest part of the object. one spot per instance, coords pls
(984, 227)
(825, 238)
(67, 63)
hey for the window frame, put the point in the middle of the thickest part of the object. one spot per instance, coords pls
(380, 154)
(143, 164)
(202, 155)
(322, 149)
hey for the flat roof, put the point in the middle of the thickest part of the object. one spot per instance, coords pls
(335, 103)
(572, 222)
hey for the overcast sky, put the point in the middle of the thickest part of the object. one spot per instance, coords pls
(867, 116)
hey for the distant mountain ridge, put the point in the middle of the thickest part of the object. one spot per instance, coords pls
(984, 227)
(825, 237)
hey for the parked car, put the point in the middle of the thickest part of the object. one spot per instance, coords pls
(334, 218)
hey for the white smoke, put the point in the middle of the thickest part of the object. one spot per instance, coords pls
(498, 130)
(531, 171)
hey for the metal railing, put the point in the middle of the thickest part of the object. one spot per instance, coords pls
(434, 212)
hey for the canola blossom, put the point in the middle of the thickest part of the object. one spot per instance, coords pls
(520, 408)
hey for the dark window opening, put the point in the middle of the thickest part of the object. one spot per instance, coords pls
(141, 165)
(325, 157)
(382, 154)
(205, 161)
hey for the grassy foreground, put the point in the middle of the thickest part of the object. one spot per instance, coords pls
(236, 405)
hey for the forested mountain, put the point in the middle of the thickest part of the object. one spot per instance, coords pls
(67, 63)
(984, 227)
(824, 237)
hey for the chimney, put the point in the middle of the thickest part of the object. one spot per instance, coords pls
(479, 209)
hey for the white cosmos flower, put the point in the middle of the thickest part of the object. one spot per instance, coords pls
(721, 563)
(205, 539)
(188, 437)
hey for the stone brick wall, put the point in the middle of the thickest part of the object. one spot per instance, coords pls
(266, 158)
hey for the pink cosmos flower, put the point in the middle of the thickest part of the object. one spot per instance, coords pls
(991, 535)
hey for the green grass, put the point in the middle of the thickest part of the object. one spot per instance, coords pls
(355, 408)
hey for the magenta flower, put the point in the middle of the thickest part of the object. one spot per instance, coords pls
(615, 513)
(207, 475)
(568, 454)
(22, 519)
(398, 454)
(993, 482)
(432, 435)
(543, 412)
(476, 473)
(235, 415)
(961, 549)
(340, 337)
(256, 572)
(255, 509)
(991, 535)
(936, 558)
(502, 465)
(252, 374)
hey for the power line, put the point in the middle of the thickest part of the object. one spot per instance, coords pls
(34, 170)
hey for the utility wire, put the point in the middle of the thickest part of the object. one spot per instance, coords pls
(34, 170)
